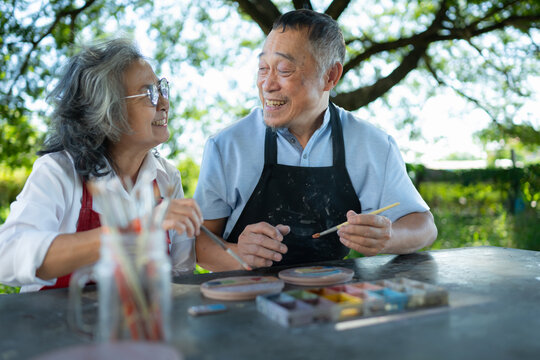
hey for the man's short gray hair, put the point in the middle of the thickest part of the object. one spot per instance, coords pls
(325, 36)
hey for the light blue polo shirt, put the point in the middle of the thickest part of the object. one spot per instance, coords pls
(233, 161)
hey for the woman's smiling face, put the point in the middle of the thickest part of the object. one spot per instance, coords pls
(148, 122)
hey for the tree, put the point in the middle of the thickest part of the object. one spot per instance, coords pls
(459, 44)
(484, 50)
(35, 38)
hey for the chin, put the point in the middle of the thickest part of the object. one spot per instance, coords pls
(275, 122)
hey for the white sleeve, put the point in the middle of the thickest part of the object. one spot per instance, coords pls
(36, 218)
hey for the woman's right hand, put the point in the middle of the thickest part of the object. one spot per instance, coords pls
(183, 215)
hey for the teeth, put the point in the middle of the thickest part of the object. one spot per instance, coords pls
(274, 103)
(160, 122)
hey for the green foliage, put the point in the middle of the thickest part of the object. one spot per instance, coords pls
(11, 184)
(200, 270)
(4, 289)
(18, 138)
(478, 207)
(475, 215)
(189, 171)
(36, 39)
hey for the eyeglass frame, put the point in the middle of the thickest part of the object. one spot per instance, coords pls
(154, 89)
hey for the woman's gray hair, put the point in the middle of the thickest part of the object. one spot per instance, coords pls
(325, 36)
(90, 109)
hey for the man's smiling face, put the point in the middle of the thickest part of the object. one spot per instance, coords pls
(290, 86)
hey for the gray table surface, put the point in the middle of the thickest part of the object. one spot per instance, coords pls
(493, 313)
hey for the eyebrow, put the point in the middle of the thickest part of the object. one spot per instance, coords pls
(145, 86)
(286, 56)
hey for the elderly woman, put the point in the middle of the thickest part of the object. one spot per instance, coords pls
(111, 111)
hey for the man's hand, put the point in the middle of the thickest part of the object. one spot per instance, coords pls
(367, 234)
(260, 244)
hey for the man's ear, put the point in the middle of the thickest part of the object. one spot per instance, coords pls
(332, 76)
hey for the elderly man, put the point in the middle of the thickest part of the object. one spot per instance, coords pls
(301, 165)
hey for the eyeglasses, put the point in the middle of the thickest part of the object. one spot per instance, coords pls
(153, 91)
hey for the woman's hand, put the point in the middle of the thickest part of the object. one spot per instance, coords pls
(183, 215)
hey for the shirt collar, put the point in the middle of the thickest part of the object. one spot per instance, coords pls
(150, 165)
(155, 167)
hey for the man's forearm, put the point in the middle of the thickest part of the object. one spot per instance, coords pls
(212, 257)
(411, 233)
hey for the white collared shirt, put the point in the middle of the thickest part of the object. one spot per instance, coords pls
(233, 161)
(49, 205)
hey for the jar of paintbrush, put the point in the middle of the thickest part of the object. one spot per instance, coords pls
(133, 274)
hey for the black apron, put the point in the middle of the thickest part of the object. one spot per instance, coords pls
(308, 199)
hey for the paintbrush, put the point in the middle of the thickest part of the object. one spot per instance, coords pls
(224, 247)
(335, 228)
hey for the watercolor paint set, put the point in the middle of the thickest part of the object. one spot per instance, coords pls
(346, 301)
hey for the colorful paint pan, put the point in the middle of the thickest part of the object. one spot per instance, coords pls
(316, 275)
(285, 309)
(347, 301)
(241, 287)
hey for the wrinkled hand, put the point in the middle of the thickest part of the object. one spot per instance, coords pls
(260, 244)
(183, 215)
(367, 234)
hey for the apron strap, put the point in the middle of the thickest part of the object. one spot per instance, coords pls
(270, 146)
(338, 147)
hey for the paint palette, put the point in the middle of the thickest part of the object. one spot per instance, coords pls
(316, 275)
(343, 302)
(241, 287)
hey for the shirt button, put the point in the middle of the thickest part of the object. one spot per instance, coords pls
(292, 141)
(305, 156)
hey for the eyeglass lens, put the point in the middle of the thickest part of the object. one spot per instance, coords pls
(154, 91)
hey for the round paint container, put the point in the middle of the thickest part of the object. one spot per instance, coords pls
(241, 287)
(316, 275)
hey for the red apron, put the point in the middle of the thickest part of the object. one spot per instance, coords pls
(89, 220)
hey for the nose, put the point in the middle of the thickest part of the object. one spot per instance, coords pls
(270, 82)
(163, 104)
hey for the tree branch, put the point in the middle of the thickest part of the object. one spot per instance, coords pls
(493, 11)
(421, 39)
(302, 4)
(263, 12)
(364, 95)
(431, 35)
(336, 8)
(433, 72)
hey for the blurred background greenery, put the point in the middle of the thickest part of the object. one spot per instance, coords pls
(478, 207)
(481, 57)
